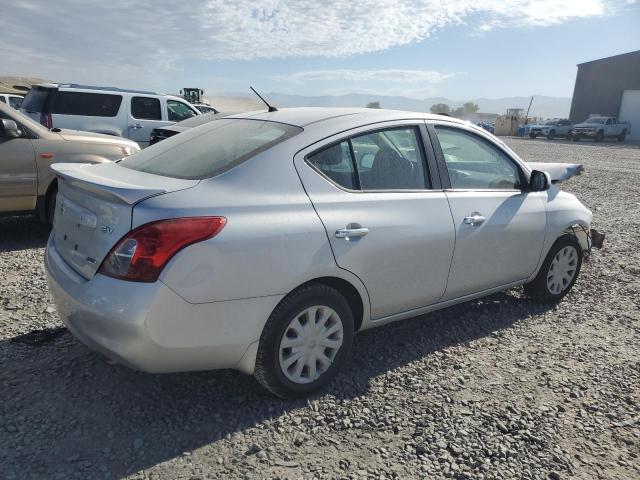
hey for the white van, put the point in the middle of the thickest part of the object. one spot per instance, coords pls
(130, 114)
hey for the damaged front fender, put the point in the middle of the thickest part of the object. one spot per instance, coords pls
(559, 172)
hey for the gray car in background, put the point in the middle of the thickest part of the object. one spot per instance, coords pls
(162, 133)
(263, 241)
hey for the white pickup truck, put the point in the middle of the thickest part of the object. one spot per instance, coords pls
(599, 128)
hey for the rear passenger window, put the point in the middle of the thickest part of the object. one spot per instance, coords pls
(384, 160)
(335, 163)
(145, 108)
(390, 160)
(85, 104)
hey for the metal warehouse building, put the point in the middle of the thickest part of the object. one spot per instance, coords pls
(610, 87)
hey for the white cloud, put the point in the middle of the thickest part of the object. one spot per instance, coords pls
(122, 39)
(383, 76)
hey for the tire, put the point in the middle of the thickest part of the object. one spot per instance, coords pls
(51, 204)
(575, 138)
(532, 136)
(622, 136)
(543, 289)
(599, 137)
(552, 135)
(289, 381)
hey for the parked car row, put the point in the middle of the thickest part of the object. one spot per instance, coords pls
(597, 128)
(123, 113)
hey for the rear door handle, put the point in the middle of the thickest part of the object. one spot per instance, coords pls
(474, 219)
(135, 126)
(348, 233)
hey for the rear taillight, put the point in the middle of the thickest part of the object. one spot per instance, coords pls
(46, 120)
(141, 255)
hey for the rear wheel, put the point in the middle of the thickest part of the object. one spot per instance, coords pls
(305, 342)
(622, 136)
(558, 272)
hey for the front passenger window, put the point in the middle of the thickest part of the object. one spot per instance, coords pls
(145, 108)
(473, 163)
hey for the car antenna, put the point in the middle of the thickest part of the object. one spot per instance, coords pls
(271, 108)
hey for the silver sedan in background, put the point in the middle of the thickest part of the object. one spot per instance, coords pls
(263, 241)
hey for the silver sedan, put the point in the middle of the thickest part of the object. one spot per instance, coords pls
(263, 241)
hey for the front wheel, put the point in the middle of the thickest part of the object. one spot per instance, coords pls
(532, 136)
(305, 342)
(551, 135)
(599, 137)
(558, 272)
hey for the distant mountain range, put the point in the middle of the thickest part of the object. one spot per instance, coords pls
(547, 107)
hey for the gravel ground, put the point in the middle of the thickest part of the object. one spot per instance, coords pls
(497, 388)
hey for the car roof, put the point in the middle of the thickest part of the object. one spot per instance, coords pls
(75, 86)
(306, 116)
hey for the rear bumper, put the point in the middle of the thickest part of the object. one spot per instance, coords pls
(148, 327)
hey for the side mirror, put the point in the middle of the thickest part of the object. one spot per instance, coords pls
(9, 129)
(539, 181)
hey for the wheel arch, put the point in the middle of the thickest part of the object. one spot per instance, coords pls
(349, 292)
(357, 299)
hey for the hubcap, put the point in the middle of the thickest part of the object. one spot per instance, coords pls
(310, 344)
(562, 270)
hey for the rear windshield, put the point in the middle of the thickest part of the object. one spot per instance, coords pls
(35, 100)
(210, 149)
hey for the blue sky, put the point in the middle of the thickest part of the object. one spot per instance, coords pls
(414, 48)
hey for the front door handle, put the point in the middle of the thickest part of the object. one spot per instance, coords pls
(348, 233)
(474, 219)
(135, 126)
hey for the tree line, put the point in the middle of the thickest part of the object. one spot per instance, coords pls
(468, 107)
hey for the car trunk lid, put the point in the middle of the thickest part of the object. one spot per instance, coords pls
(94, 208)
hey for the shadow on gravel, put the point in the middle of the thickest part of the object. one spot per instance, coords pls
(22, 232)
(69, 412)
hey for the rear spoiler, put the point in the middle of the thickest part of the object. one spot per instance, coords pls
(559, 172)
(115, 183)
